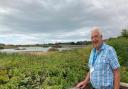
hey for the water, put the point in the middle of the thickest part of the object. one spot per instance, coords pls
(29, 49)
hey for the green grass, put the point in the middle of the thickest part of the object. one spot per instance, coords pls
(57, 70)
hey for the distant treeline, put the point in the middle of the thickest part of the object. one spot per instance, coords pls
(124, 34)
(2, 46)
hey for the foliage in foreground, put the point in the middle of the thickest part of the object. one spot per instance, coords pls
(57, 70)
(121, 47)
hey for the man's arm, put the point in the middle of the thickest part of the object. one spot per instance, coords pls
(87, 78)
(116, 78)
(84, 83)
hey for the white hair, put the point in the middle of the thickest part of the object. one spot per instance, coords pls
(96, 29)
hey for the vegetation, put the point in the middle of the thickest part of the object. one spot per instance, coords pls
(56, 70)
(2, 46)
(53, 49)
(121, 47)
(124, 33)
(56, 45)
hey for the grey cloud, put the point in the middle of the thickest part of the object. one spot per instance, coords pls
(57, 17)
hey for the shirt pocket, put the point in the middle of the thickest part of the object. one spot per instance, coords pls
(105, 62)
(98, 65)
(102, 64)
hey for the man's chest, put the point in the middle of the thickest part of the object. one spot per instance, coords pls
(101, 61)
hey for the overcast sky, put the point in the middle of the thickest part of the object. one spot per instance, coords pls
(44, 21)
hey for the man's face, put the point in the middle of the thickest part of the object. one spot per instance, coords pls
(96, 39)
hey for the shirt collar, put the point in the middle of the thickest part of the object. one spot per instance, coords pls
(101, 47)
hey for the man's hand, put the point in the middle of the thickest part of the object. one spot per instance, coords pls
(81, 85)
(84, 83)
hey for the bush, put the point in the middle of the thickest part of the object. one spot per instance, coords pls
(53, 49)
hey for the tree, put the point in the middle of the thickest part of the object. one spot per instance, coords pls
(124, 33)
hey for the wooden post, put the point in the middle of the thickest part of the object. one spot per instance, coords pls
(123, 85)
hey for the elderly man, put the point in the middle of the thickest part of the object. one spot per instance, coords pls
(103, 64)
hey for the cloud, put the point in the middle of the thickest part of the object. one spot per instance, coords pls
(60, 20)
